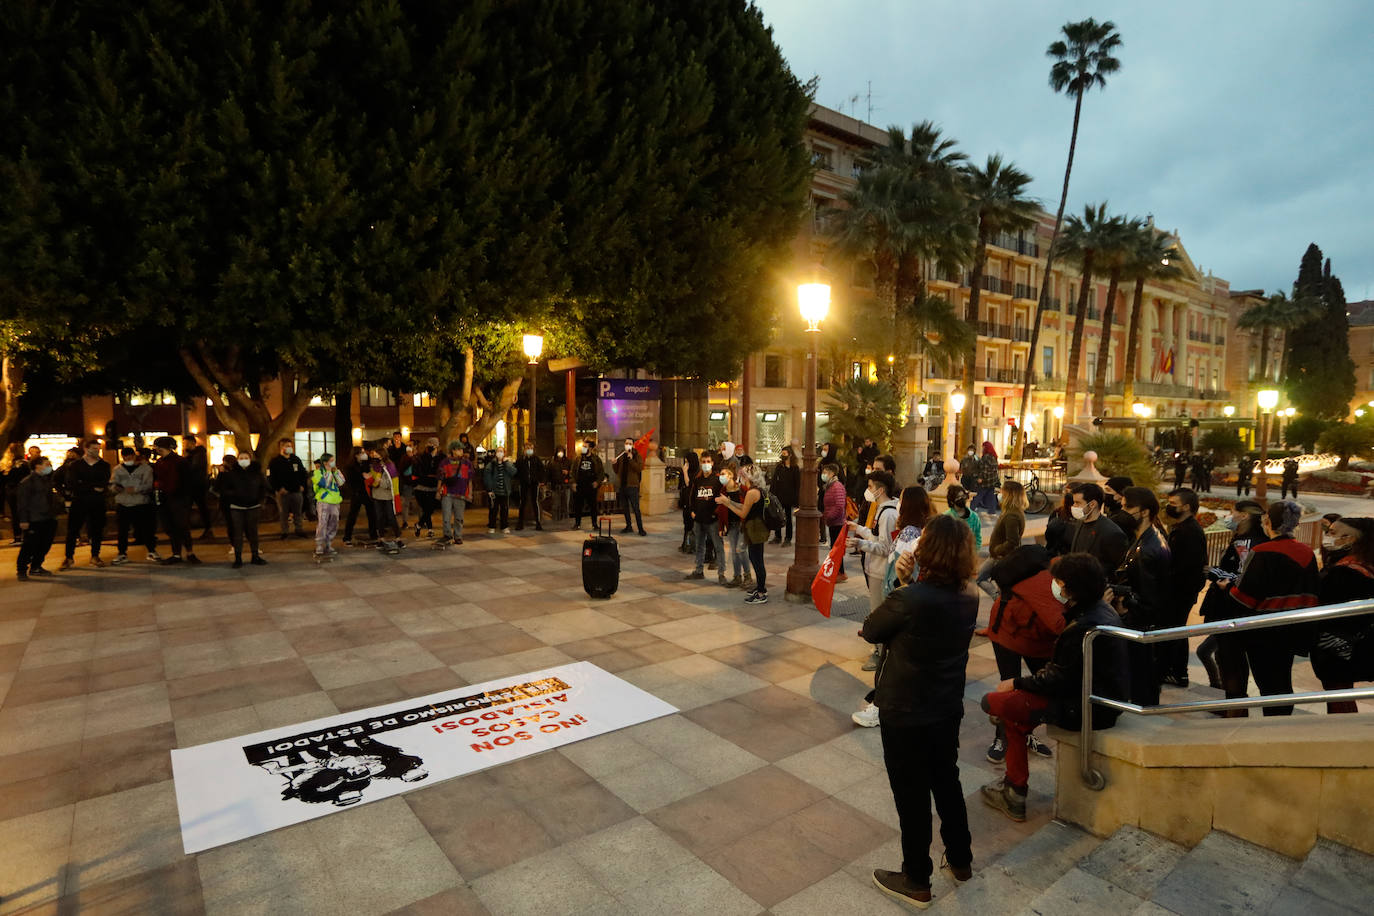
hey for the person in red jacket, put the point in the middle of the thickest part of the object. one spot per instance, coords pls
(173, 499)
(1023, 624)
(833, 502)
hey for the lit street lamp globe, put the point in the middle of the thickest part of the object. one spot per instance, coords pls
(1268, 399)
(814, 301)
(534, 345)
(1229, 411)
(957, 401)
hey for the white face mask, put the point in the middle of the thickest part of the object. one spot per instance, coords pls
(1329, 541)
(725, 479)
(244, 462)
(529, 453)
(1058, 593)
(330, 464)
(288, 450)
(706, 468)
(871, 495)
(1079, 511)
(826, 478)
(130, 463)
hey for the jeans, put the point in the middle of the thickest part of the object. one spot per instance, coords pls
(923, 762)
(385, 510)
(739, 568)
(87, 512)
(327, 526)
(985, 498)
(1020, 711)
(498, 511)
(243, 523)
(584, 498)
(427, 499)
(355, 505)
(37, 542)
(141, 521)
(760, 574)
(176, 522)
(709, 531)
(453, 508)
(290, 504)
(529, 498)
(629, 500)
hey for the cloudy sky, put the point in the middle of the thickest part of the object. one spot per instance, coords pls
(1247, 125)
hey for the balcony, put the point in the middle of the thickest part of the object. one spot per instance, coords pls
(1021, 333)
(1026, 291)
(1054, 304)
(1050, 383)
(1004, 376)
(1015, 243)
(1093, 313)
(988, 329)
(1200, 336)
(990, 284)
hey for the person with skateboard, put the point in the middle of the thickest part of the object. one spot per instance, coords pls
(327, 483)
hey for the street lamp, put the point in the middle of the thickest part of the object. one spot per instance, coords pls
(1268, 399)
(533, 346)
(813, 299)
(922, 408)
(1141, 412)
(957, 400)
(1228, 411)
(1359, 412)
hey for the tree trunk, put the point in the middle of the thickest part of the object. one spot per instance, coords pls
(1132, 347)
(11, 390)
(1046, 278)
(245, 414)
(343, 423)
(975, 287)
(1264, 352)
(1076, 346)
(1100, 381)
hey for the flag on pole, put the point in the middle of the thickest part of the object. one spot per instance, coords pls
(642, 445)
(1166, 362)
(823, 586)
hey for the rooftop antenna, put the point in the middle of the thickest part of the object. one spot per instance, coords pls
(869, 99)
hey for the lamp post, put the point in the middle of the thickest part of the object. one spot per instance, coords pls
(1059, 421)
(534, 345)
(1268, 399)
(1141, 412)
(923, 408)
(814, 301)
(957, 400)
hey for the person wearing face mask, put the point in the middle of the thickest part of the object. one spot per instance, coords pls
(1245, 470)
(1280, 576)
(628, 467)
(242, 491)
(87, 479)
(1091, 531)
(1187, 575)
(455, 489)
(588, 473)
(327, 483)
(730, 527)
(691, 466)
(957, 497)
(706, 486)
(875, 542)
(288, 478)
(499, 478)
(1053, 694)
(826, 455)
(427, 486)
(985, 497)
(173, 503)
(1112, 508)
(833, 499)
(558, 472)
(1222, 656)
(381, 489)
(786, 488)
(133, 489)
(1141, 587)
(35, 507)
(968, 470)
(355, 475)
(529, 473)
(1343, 650)
(1327, 553)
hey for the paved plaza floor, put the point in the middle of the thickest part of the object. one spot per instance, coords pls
(759, 796)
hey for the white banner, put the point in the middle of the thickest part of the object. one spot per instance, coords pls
(240, 787)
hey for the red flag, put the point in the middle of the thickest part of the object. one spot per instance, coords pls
(642, 445)
(823, 586)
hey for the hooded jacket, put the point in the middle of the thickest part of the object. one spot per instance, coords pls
(135, 484)
(1026, 618)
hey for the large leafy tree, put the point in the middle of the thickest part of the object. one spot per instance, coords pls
(1151, 258)
(1083, 59)
(1318, 371)
(997, 199)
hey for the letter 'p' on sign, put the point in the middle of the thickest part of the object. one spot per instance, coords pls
(605, 389)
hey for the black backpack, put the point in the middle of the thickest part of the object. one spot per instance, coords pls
(773, 516)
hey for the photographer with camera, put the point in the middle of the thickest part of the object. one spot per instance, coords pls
(1140, 587)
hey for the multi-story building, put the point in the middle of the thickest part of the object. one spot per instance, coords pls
(1361, 316)
(1182, 369)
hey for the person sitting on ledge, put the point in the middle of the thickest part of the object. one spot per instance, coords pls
(1052, 694)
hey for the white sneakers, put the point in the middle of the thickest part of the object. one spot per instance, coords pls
(866, 717)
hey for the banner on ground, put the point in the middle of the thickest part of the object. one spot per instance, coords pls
(240, 787)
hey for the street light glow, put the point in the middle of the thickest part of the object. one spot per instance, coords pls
(922, 408)
(1229, 410)
(1140, 409)
(957, 401)
(1059, 411)
(1268, 399)
(814, 301)
(1289, 411)
(534, 345)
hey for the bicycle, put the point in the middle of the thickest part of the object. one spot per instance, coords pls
(1037, 500)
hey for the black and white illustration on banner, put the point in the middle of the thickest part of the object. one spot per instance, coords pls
(240, 787)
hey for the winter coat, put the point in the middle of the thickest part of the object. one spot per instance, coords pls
(36, 501)
(1026, 618)
(242, 488)
(786, 484)
(328, 486)
(628, 467)
(499, 476)
(1007, 533)
(287, 472)
(1061, 679)
(927, 630)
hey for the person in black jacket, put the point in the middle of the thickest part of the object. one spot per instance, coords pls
(1115, 489)
(359, 500)
(1343, 651)
(1187, 575)
(287, 476)
(241, 491)
(1222, 656)
(529, 473)
(1052, 694)
(691, 466)
(198, 480)
(588, 473)
(20, 467)
(786, 489)
(86, 482)
(35, 508)
(1141, 588)
(927, 626)
(1092, 532)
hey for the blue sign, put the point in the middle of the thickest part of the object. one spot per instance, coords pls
(627, 389)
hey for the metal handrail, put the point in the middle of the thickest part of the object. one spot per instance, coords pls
(1094, 779)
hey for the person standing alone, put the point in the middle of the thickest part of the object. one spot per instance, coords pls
(288, 478)
(628, 467)
(87, 481)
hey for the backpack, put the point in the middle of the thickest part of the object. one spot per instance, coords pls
(773, 516)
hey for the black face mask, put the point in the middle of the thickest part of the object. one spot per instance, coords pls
(1113, 504)
(1174, 512)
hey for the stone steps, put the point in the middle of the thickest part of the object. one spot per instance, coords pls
(1061, 870)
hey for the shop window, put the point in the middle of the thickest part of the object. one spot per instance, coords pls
(773, 374)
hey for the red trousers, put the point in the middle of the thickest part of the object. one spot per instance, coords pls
(1016, 709)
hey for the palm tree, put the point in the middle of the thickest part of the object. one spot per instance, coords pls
(1150, 260)
(1083, 60)
(1278, 313)
(996, 197)
(1082, 239)
(1112, 255)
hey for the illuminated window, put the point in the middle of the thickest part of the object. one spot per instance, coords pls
(373, 396)
(422, 399)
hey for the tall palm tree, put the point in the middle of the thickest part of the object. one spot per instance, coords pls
(1083, 60)
(1153, 257)
(1112, 256)
(874, 226)
(1082, 239)
(997, 199)
(1278, 313)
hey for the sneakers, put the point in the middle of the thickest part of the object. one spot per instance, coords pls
(873, 661)
(576, 526)
(172, 560)
(787, 542)
(841, 578)
(258, 561)
(1174, 680)
(237, 564)
(748, 585)
(695, 574)
(458, 539)
(505, 531)
(193, 559)
(119, 560)
(959, 874)
(732, 583)
(1007, 799)
(22, 576)
(491, 531)
(899, 887)
(1038, 747)
(627, 530)
(40, 572)
(997, 750)
(154, 557)
(866, 717)
(757, 598)
(67, 563)
(348, 542)
(97, 562)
